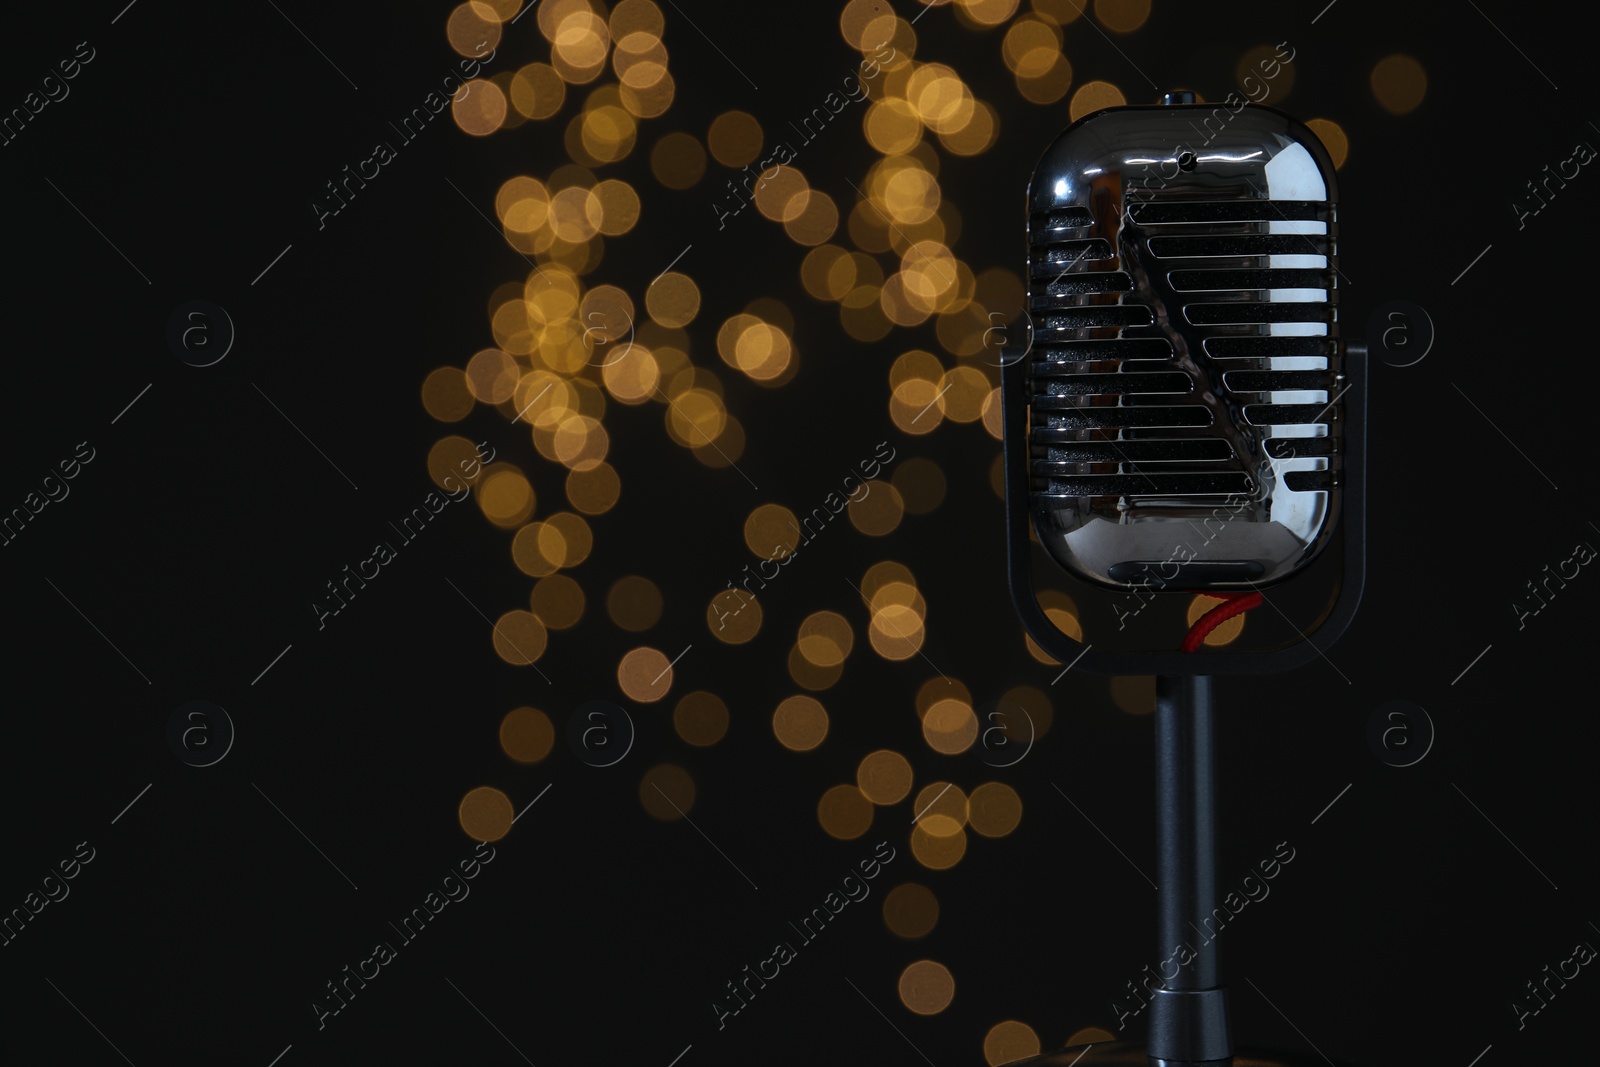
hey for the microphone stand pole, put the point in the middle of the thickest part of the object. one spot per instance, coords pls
(1188, 1016)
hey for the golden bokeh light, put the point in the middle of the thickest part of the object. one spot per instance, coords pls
(636, 16)
(678, 161)
(1009, 1041)
(505, 495)
(537, 91)
(938, 842)
(735, 138)
(527, 735)
(994, 809)
(645, 675)
(667, 792)
(734, 616)
(479, 107)
(558, 601)
(950, 727)
(844, 813)
(926, 987)
(1122, 16)
(816, 220)
(800, 723)
(825, 638)
(884, 777)
(910, 911)
(673, 299)
(634, 603)
(987, 12)
(1333, 138)
(878, 510)
(1134, 693)
(771, 531)
(491, 375)
(1092, 96)
(1091, 1035)
(485, 814)
(445, 395)
(1263, 66)
(473, 29)
(595, 490)
(945, 804)
(1399, 83)
(808, 675)
(701, 718)
(619, 206)
(520, 638)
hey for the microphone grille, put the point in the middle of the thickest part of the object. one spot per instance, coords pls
(1185, 372)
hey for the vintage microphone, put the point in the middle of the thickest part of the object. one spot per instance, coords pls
(1184, 419)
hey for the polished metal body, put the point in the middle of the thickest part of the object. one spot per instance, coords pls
(1185, 374)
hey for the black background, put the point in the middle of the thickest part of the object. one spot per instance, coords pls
(197, 537)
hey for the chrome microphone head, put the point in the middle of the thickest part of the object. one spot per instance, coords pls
(1185, 383)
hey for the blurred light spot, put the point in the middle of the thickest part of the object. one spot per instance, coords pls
(700, 718)
(1092, 96)
(1134, 694)
(734, 616)
(527, 734)
(445, 395)
(491, 375)
(1009, 1041)
(980, 133)
(825, 638)
(1333, 138)
(519, 638)
(808, 675)
(781, 193)
(678, 161)
(537, 91)
(988, 12)
(950, 727)
(636, 16)
(472, 29)
(844, 813)
(1090, 1035)
(558, 601)
(884, 777)
(1261, 66)
(910, 910)
(479, 107)
(1399, 83)
(645, 675)
(634, 603)
(735, 138)
(994, 809)
(485, 814)
(816, 220)
(927, 987)
(771, 531)
(594, 491)
(800, 724)
(619, 207)
(1040, 713)
(1122, 16)
(666, 792)
(878, 510)
(938, 842)
(505, 496)
(963, 392)
(944, 800)
(673, 299)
